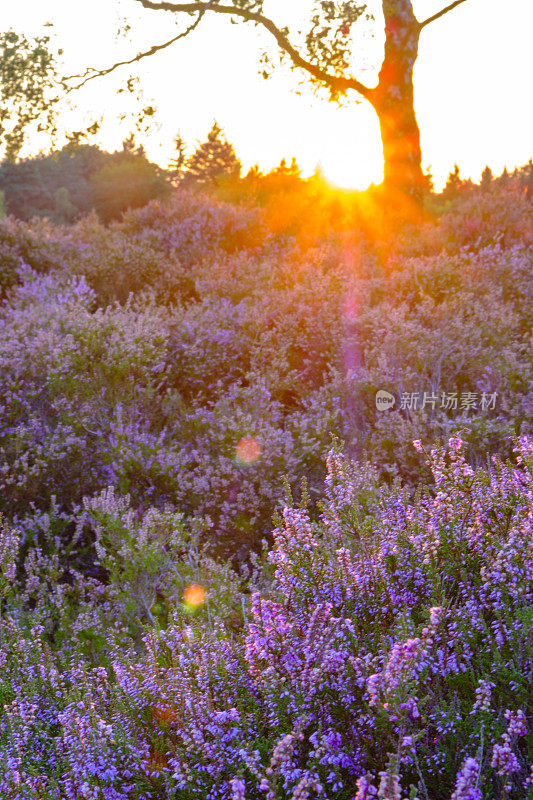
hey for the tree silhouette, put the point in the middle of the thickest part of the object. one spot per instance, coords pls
(27, 74)
(213, 160)
(177, 164)
(324, 53)
(486, 179)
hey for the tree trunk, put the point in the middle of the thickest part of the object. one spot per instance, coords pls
(393, 101)
(401, 149)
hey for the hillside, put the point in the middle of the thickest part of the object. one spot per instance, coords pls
(225, 571)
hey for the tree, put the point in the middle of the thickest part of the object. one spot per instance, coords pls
(503, 180)
(324, 54)
(214, 160)
(27, 74)
(455, 185)
(64, 209)
(486, 179)
(177, 164)
(129, 180)
(292, 171)
(31, 185)
(66, 184)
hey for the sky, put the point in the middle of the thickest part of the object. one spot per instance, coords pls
(473, 82)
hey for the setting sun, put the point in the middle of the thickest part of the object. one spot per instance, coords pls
(346, 173)
(278, 118)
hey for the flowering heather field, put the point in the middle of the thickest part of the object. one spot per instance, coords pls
(225, 573)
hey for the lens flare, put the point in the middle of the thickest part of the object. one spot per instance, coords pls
(194, 596)
(248, 450)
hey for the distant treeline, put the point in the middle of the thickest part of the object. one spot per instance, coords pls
(66, 185)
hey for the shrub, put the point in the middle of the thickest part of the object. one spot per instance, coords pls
(392, 649)
(130, 182)
(231, 333)
(168, 383)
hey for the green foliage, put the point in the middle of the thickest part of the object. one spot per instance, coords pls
(329, 40)
(150, 559)
(31, 185)
(128, 181)
(27, 74)
(213, 161)
(64, 208)
(177, 164)
(69, 183)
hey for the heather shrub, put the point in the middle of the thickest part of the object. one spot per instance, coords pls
(390, 655)
(23, 244)
(193, 225)
(428, 330)
(115, 265)
(154, 247)
(68, 370)
(368, 613)
(498, 215)
(129, 421)
(141, 354)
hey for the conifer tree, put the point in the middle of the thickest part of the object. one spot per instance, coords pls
(177, 163)
(486, 179)
(213, 161)
(325, 53)
(453, 183)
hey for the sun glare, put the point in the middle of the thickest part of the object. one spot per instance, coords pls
(349, 171)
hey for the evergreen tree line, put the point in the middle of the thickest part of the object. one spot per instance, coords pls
(67, 184)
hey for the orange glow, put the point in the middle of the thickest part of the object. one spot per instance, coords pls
(165, 715)
(248, 450)
(352, 173)
(194, 596)
(157, 762)
(456, 109)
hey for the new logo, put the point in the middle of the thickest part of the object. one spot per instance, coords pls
(384, 400)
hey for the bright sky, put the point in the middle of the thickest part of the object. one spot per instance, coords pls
(472, 86)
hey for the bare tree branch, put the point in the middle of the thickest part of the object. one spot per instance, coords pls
(336, 82)
(441, 13)
(92, 73)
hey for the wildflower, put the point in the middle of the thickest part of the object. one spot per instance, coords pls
(466, 785)
(365, 788)
(483, 696)
(237, 788)
(389, 786)
(504, 761)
